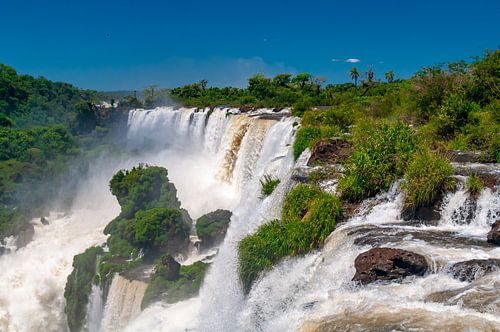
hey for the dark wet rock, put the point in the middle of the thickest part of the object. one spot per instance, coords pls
(488, 173)
(44, 221)
(388, 264)
(464, 156)
(300, 175)
(494, 235)
(481, 295)
(140, 273)
(422, 213)
(330, 151)
(377, 236)
(168, 268)
(474, 269)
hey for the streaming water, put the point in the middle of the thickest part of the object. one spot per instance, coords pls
(216, 159)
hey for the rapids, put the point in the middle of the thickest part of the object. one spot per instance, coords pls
(216, 159)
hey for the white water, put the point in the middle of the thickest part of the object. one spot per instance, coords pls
(212, 168)
(192, 146)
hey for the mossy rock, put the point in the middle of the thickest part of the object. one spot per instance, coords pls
(211, 227)
(79, 286)
(187, 284)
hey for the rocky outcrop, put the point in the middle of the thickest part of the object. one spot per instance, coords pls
(211, 227)
(474, 269)
(494, 235)
(168, 268)
(330, 151)
(388, 264)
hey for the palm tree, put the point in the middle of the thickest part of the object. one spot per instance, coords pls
(389, 76)
(354, 73)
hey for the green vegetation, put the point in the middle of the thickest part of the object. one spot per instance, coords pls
(185, 286)
(79, 287)
(381, 153)
(309, 216)
(150, 224)
(426, 179)
(212, 226)
(268, 184)
(143, 187)
(474, 185)
(44, 126)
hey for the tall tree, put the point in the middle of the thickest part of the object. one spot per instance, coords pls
(203, 84)
(318, 82)
(389, 76)
(369, 74)
(354, 73)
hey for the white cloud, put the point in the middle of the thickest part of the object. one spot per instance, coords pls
(352, 60)
(336, 60)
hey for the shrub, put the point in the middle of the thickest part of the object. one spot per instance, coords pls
(157, 227)
(340, 116)
(474, 185)
(380, 156)
(428, 176)
(79, 286)
(268, 184)
(307, 137)
(143, 187)
(309, 216)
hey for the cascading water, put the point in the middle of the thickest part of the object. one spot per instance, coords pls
(216, 159)
(123, 303)
(315, 292)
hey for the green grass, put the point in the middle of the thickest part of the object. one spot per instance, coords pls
(428, 177)
(268, 184)
(381, 154)
(309, 216)
(474, 185)
(307, 137)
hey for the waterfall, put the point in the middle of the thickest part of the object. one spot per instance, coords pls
(315, 292)
(123, 303)
(216, 158)
(95, 309)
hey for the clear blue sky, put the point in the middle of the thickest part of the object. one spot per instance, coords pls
(112, 45)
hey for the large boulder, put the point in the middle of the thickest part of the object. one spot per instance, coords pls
(494, 235)
(474, 269)
(388, 264)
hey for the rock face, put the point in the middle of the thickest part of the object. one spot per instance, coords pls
(474, 269)
(330, 151)
(388, 264)
(169, 268)
(494, 235)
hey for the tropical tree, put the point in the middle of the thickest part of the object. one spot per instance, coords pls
(389, 76)
(282, 79)
(354, 73)
(301, 79)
